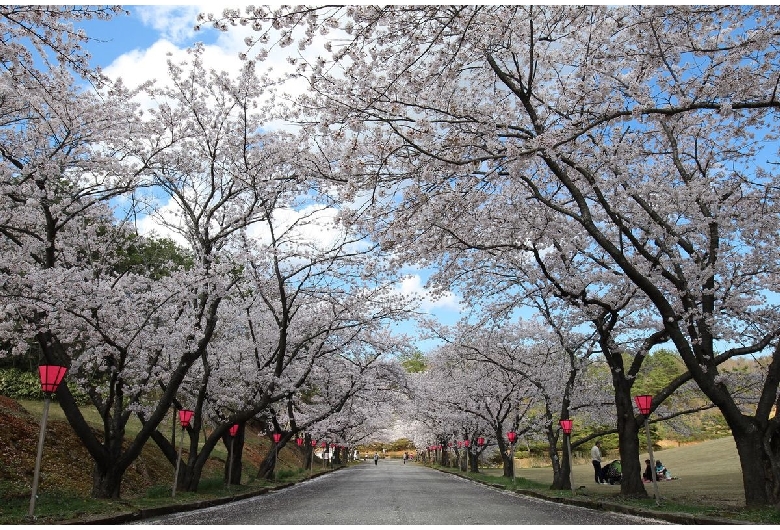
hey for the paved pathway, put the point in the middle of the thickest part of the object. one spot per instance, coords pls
(397, 494)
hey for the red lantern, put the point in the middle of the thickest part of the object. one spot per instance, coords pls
(277, 436)
(332, 446)
(314, 443)
(299, 441)
(51, 377)
(184, 417)
(480, 441)
(566, 426)
(466, 443)
(234, 430)
(323, 444)
(512, 436)
(460, 444)
(644, 404)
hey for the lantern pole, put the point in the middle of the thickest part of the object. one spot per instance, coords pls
(50, 376)
(277, 437)
(478, 452)
(233, 431)
(178, 460)
(311, 460)
(644, 404)
(184, 420)
(566, 427)
(512, 435)
(230, 465)
(571, 462)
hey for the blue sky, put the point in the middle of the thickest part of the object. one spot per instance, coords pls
(136, 47)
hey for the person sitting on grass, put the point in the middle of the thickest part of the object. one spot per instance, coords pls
(661, 473)
(647, 476)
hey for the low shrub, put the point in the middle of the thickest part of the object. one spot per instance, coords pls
(20, 384)
(26, 385)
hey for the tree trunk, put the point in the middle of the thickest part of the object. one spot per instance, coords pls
(268, 465)
(506, 459)
(189, 475)
(309, 453)
(234, 462)
(106, 482)
(561, 466)
(503, 450)
(474, 462)
(757, 450)
(191, 464)
(631, 484)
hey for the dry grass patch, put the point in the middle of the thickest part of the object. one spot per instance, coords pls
(708, 472)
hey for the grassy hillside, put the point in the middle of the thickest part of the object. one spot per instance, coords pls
(66, 480)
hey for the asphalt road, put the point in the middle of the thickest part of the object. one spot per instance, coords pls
(394, 493)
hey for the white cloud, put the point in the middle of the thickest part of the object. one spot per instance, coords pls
(150, 224)
(313, 225)
(413, 285)
(175, 23)
(139, 66)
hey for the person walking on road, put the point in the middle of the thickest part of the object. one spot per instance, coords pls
(376, 459)
(595, 457)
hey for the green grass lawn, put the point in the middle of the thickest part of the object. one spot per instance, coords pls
(709, 483)
(708, 472)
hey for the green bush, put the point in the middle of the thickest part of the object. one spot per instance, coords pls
(285, 473)
(26, 385)
(212, 484)
(18, 384)
(160, 491)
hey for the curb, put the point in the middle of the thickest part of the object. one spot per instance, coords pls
(147, 513)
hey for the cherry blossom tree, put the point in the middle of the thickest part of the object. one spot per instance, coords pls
(204, 149)
(43, 35)
(544, 371)
(64, 158)
(650, 127)
(566, 287)
(296, 376)
(293, 298)
(372, 399)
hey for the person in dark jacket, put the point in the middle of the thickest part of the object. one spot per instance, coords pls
(647, 476)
